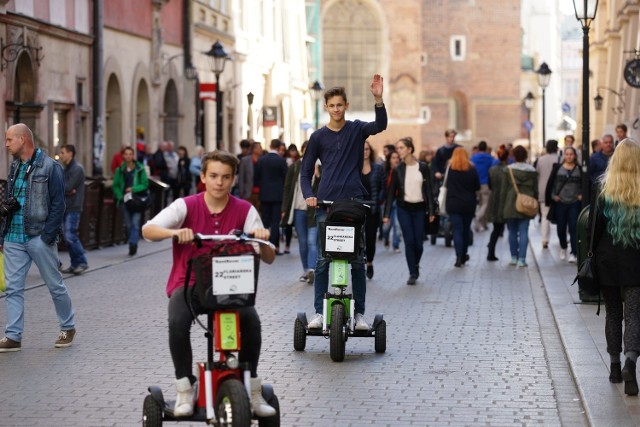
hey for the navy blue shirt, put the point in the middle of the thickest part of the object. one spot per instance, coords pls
(342, 156)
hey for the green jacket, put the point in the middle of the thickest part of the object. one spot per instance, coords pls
(526, 179)
(140, 181)
(496, 179)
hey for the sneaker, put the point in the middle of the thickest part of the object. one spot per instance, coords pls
(563, 254)
(629, 377)
(311, 275)
(259, 406)
(369, 271)
(80, 269)
(412, 280)
(304, 278)
(361, 324)
(65, 339)
(396, 250)
(316, 322)
(133, 249)
(513, 261)
(7, 345)
(522, 263)
(572, 259)
(185, 398)
(616, 373)
(68, 270)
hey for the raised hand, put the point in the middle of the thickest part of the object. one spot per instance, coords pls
(377, 86)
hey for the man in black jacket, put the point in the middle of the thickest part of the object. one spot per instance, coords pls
(74, 200)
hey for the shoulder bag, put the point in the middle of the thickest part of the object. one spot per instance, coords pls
(442, 195)
(525, 205)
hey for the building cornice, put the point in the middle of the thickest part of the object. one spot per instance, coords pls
(45, 28)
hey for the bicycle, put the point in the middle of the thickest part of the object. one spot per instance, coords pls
(224, 284)
(342, 242)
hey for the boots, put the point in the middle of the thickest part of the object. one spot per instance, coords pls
(629, 377)
(459, 261)
(185, 397)
(258, 405)
(492, 253)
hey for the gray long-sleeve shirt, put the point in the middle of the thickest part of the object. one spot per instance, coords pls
(74, 180)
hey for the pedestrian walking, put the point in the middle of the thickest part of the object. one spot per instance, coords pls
(565, 188)
(616, 253)
(463, 182)
(183, 179)
(296, 212)
(391, 229)
(443, 154)
(74, 202)
(526, 179)
(372, 181)
(544, 166)
(340, 147)
(497, 174)
(248, 190)
(32, 213)
(130, 179)
(269, 175)
(412, 189)
(482, 161)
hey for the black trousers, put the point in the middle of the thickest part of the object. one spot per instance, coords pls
(271, 220)
(371, 228)
(180, 320)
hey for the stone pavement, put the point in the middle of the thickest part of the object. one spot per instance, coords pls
(487, 344)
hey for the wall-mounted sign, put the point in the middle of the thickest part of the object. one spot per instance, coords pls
(208, 91)
(269, 116)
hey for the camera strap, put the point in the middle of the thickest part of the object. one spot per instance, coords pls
(27, 173)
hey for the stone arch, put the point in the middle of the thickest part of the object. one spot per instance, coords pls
(142, 105)
(171, 113)
(113, 117)
(23, 108)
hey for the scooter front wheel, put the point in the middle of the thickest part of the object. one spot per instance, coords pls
(233, 408)
(151, 413)
(337, 337)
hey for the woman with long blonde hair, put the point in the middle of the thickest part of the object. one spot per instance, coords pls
(616, 252)
(462, 183)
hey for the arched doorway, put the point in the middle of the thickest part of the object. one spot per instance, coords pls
(142, 107)
(113, 119)
(170, 130)
(23, 108)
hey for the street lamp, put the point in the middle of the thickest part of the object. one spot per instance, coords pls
(528, 104)
(544, 75)
(217, 59)
(317, 89)
(585, 13)
(250, 115)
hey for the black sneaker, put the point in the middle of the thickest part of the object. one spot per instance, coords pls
(65, 339)
(629, 377)
(7, 345)
(133, 249)
(616, 373)
(412, 280)
(369, 271)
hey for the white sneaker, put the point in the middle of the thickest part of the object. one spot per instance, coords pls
(185, 398)
(572, 259)
(316, 322)
(259, 406)
(563, 254)
(361, 324)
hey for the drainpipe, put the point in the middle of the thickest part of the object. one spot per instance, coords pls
(98, 88)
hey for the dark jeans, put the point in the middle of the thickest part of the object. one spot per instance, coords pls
(461, 229)
(496, 233)
(412, 226)
(371, 230)
(321, 283)
(271, 220)
(567, 215)
(74, 246)
(180, 320)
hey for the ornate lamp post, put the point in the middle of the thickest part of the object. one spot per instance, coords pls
(217, 59)
(250, 115)
(528, 104)
(544, 75)
(317, 89)
(585, 13)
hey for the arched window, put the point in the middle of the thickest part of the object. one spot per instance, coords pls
(352, 50)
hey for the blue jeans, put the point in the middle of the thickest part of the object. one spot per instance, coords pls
(17, 261)
(321, 283)
(567, 215)
(307, 238)
(392, 228)
(461, 228)
(74, 246)
(518, 238)
(412, 226)
(132, 222)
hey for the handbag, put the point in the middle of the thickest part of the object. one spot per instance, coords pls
(442, 195)
(525, 204)
(138, 202)
(587, 277)
(431, 228)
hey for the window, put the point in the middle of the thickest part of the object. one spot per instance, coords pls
(352, 47)
(458, 48)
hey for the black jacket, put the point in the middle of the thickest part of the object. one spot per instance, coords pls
(396, 189)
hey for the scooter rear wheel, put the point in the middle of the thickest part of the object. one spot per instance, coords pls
(233, 408)
(381, 337)
(151, 413)
(337, 337)
(299, 336)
